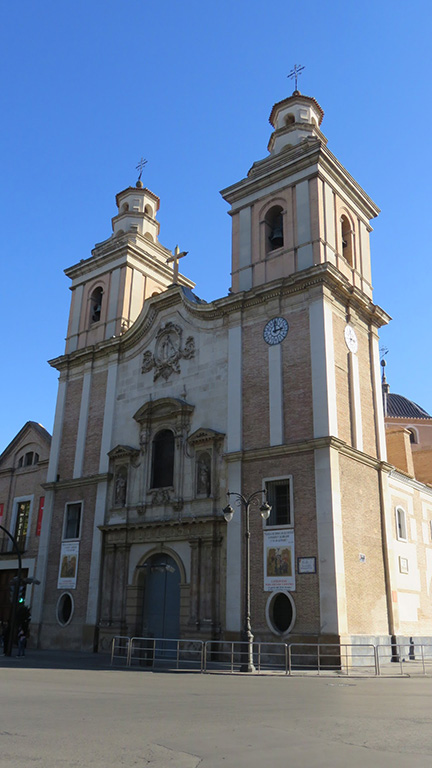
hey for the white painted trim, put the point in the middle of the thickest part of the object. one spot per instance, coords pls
(42, 558)
(75, 321)
(234, 416)
(108, 422)
(333, 613)
(113, 295)
(323, 369)
(67, 504)
(245, 237)
(356, 402)
(303, 212)
(82, 425)
(96, 554)
(404, 525)
(137, 295)
(378, 402)
(275, 394)
(234, 556)
(289, 478)
(245, 278)
(57, 432)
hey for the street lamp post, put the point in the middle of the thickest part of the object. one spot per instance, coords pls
(228, 512)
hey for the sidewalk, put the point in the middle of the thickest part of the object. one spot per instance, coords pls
(38, 659)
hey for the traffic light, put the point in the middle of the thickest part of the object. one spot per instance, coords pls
(21, 593)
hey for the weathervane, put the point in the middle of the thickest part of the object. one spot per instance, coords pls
(298, 69)
(140, 167)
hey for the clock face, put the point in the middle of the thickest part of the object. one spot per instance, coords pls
(351, 338)
(275, 330)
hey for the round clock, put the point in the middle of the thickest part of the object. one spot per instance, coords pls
(275, 330)
(351, 338)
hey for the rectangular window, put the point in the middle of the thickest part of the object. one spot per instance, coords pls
(21, 524)
(401, 528)
(279, 496)
(72, 521)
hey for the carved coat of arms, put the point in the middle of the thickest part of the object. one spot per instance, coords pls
(169, 350)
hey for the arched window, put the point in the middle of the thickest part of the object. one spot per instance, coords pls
(413, 436)
(347, 240)
(163, 459)
(290, 119)
(148, 210)
(274, 228)
(96, 305)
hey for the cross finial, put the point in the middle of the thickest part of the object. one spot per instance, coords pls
(298, 69)
(175, 259)
(140, 167)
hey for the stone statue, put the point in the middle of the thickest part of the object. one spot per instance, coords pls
(120, 487)
(203, 475)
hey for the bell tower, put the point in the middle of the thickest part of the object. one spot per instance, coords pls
(298, 207)
(306, 356)
(109, 288)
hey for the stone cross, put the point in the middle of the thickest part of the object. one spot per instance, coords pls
(175, 259)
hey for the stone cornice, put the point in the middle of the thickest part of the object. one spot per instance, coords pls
(77, 482)
(304, 446)
(324, 275)
(401, 477)
(278, 167)
(130, 246)
(161, 523)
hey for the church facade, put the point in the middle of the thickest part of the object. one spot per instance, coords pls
(167, 402)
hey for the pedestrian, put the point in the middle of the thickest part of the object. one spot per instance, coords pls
(22, 642)
(6, 633)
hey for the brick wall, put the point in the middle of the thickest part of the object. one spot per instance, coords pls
(361, 521)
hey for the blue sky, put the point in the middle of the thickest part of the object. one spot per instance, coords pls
(89, 87)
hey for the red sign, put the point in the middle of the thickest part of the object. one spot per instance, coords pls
(1, 512)
(40, 515)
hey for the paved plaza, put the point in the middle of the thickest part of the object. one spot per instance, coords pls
(73, 710)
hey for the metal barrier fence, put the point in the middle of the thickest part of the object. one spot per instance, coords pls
(279, 658)
(230, 656)
(159, 651)
(331, 657)
(412, 660)
(120, 649)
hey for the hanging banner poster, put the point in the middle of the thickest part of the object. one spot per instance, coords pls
(68, 565)
(279, 562)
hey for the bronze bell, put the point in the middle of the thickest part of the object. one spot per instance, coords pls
(276, 236)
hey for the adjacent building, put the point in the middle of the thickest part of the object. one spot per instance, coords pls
(23, 468)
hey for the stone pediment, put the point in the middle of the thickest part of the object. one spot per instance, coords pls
(123, 452)
(162, 409)
(204, 436)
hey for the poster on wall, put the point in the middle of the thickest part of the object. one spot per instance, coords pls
(279, 563)
(68, 565)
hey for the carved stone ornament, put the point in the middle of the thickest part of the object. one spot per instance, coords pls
(160, 496)
(169, 350)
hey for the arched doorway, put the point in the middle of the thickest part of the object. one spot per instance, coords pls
(161, 606)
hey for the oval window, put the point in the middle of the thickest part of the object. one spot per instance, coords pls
(280, 612)
(65, 608)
